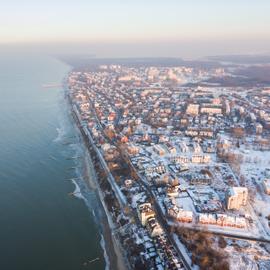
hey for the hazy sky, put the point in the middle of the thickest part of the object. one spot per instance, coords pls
(162, 27)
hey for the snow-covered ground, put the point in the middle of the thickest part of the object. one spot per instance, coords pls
(252, 170)
(244, 255)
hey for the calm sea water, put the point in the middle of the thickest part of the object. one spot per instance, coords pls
(41, 226)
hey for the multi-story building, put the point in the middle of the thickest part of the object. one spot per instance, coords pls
(193, 109)
(266, 185)
(145, 212)
(154, 227)
(211, 110)
(236, 197)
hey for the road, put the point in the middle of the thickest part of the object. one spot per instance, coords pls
(160, 217)
(158, 211)
(90, 142)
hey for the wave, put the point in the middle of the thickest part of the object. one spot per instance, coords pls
(77, 192)
(87, 193)
(84, 172)
(105, 255)
(63, 120)
(60, 134)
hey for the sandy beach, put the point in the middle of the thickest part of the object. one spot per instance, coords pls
(117, 260)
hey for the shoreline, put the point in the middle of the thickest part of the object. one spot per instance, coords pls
(107, 225)
(117, 260)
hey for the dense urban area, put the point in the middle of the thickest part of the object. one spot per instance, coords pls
(183, 168)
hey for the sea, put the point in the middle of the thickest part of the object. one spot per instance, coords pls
(48, 214)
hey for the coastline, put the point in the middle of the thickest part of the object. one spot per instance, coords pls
(111, 245)
(117, 260)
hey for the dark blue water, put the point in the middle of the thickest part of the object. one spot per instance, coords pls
(41, 226)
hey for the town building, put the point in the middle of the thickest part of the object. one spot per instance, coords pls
(193, 109)
(145, 212)
(236, 197)
(266, 185)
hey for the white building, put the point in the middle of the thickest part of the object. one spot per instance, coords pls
(159, 149)
(145, 212)
(154, 227)
(200, 159)
(236, 197)
(211, 110)
(193, 109)
(266, 185)
(222, 220)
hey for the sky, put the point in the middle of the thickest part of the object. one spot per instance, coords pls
(138, 28)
